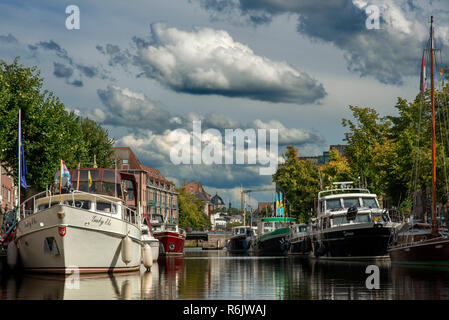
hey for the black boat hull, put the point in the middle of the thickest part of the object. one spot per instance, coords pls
(366, 242)
(238, 244)
(275, 245)
(433, 252)
(300, 246)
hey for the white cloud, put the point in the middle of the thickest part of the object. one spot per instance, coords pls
(208, 61)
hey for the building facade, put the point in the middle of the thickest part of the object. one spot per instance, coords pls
(196, 189)
(156, 194)
(8, 191)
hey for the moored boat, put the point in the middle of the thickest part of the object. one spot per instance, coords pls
(272, 236)
(89, 230)
(170, 236)
(148, 237)
(414, 244)
(426, 244)
(300, 243)
(240, 240)
(350, 225)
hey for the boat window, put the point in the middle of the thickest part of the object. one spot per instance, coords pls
(351, 202)
(108, 188)
(332, 204)
(42, 207)
(362, 218)
(369, 203)
(83, 204)
(339, 220)
(84, 174)
(106, 207)
(302, 229)
(278, 225)
(248, 232)
(108, 175)
(130, 188)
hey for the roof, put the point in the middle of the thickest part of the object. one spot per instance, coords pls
(134, 164)
(217, 200)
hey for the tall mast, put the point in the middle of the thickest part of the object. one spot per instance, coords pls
(20, 162)
(434, 179)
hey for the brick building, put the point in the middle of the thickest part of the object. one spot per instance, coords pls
(197, 190)
(156, 194)
(8, 191)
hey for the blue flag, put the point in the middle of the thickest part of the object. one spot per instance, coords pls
(21, 156)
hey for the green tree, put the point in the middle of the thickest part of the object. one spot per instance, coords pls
(49, 131)
(368, 129)
(299, 180)
(97, 143)
(191, 211)
(337, 169)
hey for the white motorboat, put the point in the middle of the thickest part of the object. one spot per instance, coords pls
(147, 236)
(89, 230)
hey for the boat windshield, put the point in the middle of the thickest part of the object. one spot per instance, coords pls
(333, 204)
(351, 202)
(369, 203)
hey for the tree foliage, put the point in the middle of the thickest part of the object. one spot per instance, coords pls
(299, 180)
(50, 132)
(191, 211)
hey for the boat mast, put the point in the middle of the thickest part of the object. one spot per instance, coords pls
(434, 180)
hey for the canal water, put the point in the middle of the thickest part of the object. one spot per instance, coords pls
(201, 274)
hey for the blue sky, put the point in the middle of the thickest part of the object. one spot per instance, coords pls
(146, 69)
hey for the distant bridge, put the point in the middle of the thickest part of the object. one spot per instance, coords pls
(210, 240)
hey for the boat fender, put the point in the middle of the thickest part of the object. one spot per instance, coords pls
(12, 255)
(147, 256)
(126, 249)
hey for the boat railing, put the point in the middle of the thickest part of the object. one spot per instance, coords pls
(28, 207)
(340, 190)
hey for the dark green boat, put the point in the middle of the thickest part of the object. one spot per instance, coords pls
(272, 236)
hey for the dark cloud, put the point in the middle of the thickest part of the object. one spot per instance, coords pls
(387, 54)
(115, 54)
(56, 48)
(62, 70)
(10, 39)
(65, 67)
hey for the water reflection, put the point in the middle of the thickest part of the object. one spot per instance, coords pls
(217, 275)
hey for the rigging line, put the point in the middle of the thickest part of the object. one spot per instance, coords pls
(445, 113)
(442, 141)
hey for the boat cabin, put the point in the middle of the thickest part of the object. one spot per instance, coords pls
(346, 205)
(95, 194)
(242, 230)
(267, 225)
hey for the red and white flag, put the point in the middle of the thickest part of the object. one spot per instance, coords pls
(423, 75)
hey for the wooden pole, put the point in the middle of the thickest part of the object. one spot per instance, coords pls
(78, 177)
(20, 162)
(60, 181)
(434, 179)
